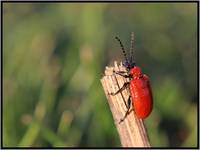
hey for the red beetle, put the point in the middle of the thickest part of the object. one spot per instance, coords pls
(140, 89)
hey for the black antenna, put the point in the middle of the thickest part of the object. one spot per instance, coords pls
(122, 47)
(131, 48)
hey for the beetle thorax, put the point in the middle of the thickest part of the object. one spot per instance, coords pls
(135, 72)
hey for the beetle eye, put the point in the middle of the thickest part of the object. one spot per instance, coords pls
(126, 64)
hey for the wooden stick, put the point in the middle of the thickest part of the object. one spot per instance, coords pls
(131, 131)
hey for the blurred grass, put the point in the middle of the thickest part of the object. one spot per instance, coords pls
(54, 56)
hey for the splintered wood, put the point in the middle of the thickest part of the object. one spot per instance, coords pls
(131, 131)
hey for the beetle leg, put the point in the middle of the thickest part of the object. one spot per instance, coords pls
(121, 89)
(127, 112)
(122, 73)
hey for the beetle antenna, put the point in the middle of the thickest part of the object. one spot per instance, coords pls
(131, 48)
(122, 47)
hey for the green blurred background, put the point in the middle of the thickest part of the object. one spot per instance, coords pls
(54, 55)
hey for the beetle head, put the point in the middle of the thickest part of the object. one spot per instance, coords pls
(128, 65)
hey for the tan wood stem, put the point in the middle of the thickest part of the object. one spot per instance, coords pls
(131, 131)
